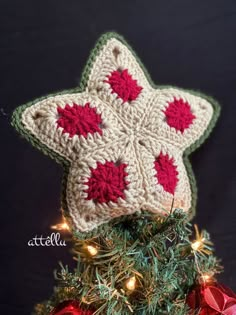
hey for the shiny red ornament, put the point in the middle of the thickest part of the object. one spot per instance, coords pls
(212, 299)
(70, 307)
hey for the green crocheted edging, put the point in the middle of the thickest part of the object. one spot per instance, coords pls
(17, 123)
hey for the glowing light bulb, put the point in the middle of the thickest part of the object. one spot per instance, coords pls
(201, 244)
(92, 250)
(61, 226)
(196, 245)
(206, 277)
(131, 283)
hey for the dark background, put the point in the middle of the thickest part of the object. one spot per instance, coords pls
(43, 47)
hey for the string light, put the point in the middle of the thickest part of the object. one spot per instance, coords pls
(131, 283)
(63, 226)
(201, 244)
(92, 250)
(196, 245)
(206, 277)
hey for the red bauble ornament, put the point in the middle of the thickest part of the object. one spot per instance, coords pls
(70, 307)
(213, 299)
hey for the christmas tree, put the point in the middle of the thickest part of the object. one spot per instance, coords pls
(128, 190)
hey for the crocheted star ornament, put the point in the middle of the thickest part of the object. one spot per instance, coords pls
(123, 142)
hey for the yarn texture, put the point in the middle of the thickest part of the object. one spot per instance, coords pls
(123, 142)
(106, 183)
(79, 120)
(124, 85)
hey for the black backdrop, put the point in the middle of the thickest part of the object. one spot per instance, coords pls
(43, 47)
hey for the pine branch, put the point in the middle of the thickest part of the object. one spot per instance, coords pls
(156, 253)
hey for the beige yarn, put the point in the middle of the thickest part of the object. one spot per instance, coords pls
(134, 134)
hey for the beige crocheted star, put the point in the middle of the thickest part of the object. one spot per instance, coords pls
(126, 141)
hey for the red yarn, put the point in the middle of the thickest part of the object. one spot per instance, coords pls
(107, 182)
(166, 172)
(79, 120)
(179, 115)
(124, 85)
